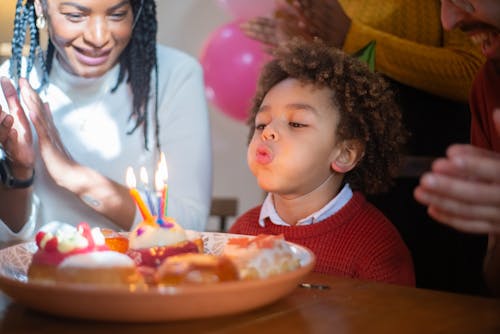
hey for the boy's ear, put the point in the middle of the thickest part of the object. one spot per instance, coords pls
(348, 156)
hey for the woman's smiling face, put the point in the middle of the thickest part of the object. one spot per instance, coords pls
(88, 35)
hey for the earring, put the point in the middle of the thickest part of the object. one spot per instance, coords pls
(41, 22)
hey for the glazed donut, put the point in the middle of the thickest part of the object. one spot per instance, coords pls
(195, 269)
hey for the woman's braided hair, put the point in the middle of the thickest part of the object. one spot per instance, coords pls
(137, 62)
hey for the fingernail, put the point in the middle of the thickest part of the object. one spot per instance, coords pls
(458, 161)
(429, 180)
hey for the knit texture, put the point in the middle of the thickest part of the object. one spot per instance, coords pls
(485, 98)
(357, 241)
(412, 47)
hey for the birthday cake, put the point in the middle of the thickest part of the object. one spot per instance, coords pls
(152, 241)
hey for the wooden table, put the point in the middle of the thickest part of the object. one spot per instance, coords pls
(348, 306)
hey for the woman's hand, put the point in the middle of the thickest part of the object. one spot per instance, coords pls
(15, 134)
(56, 158)
(305, 19)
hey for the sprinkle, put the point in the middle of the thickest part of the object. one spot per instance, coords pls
(166, 224)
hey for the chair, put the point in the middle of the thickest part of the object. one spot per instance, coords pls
(223, 208)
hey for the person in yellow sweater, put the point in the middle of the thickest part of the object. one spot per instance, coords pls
(432, 71)
(411, 46)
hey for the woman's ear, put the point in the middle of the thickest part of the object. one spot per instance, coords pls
(38, 8)
(351, 152)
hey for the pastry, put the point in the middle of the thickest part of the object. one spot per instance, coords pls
(261, 256)
(151, 242)
(191, 268)
(79, 255)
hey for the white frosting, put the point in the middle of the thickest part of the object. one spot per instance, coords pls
(153, 235)
(98, 237)
(265, 261)
(70, 238)
(103, 259)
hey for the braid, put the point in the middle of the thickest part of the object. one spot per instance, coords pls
(138, 60)
(18, 39)
(26, 18)
(34, 47)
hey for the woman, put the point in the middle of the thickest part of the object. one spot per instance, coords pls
(114, 99)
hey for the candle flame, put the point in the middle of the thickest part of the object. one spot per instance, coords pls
(162, 167)
(130, 178)
(144, 175)
(161, 175)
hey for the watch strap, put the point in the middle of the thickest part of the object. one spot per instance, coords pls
(9, 181)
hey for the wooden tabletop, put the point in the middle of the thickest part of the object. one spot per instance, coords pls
(346, 306)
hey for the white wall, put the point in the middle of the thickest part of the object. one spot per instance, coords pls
(186, 24)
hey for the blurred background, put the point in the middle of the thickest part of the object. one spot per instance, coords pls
(207, 27)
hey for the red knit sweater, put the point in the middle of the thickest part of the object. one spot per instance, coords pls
(484, 99)
(358, 241)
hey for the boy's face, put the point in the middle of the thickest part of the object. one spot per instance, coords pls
(294, 142)
(480, 19)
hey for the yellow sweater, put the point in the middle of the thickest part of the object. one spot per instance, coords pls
(412, 47)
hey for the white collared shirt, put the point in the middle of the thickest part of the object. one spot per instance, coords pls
(268, 210)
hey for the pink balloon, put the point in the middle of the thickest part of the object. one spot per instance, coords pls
(246, 9)
(231, 63)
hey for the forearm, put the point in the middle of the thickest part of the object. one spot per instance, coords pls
(492, 265)
(108, 198)
(446, 71)
(15, 207)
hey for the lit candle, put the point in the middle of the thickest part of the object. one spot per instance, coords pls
(143, 174)
(159, 186)
(161, 178)
(130, 179)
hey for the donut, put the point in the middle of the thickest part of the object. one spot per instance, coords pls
(261, 256)
(79, 255)
(151, 242)
(192, 268)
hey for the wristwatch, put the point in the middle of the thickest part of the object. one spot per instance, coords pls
(8, 180)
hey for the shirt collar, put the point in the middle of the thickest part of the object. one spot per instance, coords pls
(268, 210)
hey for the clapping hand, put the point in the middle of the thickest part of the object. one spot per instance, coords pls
(15, 134)
(305, 19)
(56, 158)
(463, 189)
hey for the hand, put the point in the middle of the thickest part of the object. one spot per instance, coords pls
(56, 158)
(15, 133)
(463, 189)
(305, 19)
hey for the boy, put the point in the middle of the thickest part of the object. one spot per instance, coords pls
(323, 129)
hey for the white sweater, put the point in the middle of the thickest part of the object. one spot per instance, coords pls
(93, 125)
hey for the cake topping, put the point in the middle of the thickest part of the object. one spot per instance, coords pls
(68, 239)
(154, 234)
(55, 245)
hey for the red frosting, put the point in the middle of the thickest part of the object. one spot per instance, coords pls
(154, 256)
(50, 255)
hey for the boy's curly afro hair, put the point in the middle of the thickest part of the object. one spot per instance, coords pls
(366, 104)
